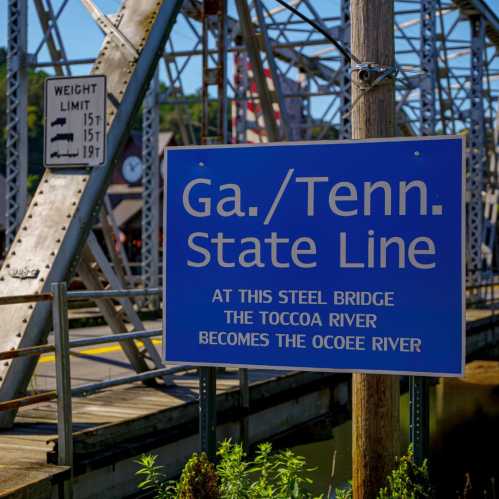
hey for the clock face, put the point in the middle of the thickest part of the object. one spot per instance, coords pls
(132, 169)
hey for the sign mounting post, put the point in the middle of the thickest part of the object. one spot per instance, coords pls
(75, 121)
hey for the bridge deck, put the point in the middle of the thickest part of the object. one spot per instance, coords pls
(23, 450)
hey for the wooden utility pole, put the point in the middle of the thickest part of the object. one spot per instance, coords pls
(375, 397)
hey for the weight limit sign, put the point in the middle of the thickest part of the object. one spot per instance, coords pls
(75, 121)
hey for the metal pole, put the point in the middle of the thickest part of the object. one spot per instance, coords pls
(245, 405)
(63, 380)
(150, 193)
(207, 411)
(17, 117)
(419, 402)
(214, 74)
(419, 426)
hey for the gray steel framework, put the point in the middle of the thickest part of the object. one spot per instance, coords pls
(428, 66)
(477, 155)
(17, 116)
(448, 82)
(151, 189)
(345, 128)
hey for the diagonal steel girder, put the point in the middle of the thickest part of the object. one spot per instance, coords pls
(67, 201)
(311, 65)
(193, 9)
(478, 8)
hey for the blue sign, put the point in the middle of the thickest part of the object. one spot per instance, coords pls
(342, 256)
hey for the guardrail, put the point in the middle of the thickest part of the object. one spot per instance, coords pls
(62, 346)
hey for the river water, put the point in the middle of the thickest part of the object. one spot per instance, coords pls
(464, 425)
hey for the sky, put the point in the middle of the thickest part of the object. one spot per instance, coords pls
(82, 37)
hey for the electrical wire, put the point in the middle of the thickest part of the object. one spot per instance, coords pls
(344, 51)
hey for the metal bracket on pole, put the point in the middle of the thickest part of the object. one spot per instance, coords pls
(419, 426)
(207, 411)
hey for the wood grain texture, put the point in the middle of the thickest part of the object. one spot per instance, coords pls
(375, 398)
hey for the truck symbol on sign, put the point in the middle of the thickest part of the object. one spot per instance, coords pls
(68, 137)
(58, 122)
(57, 154)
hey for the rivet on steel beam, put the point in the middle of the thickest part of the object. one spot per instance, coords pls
(25, 320)
(19, 241)
(41, 279)
(6, 364)
(18, 335)
(57, 240)
(63, 227)
(40, 192)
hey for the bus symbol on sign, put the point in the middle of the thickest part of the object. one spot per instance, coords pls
(75, 121)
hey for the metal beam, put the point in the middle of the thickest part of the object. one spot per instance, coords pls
(477, 154)
(253, 49)
(428, 56)
(290, 55)
(150, 191)
(17, 117)
(478, 8)
(345, 131)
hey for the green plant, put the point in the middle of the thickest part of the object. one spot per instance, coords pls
(263, 470)
(407, 480)
(282, 475)
(154, 480)
(291, 479)
(344, 493)
(198, 480)
(233, 471)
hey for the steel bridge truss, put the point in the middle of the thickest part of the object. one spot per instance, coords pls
(282, 81)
